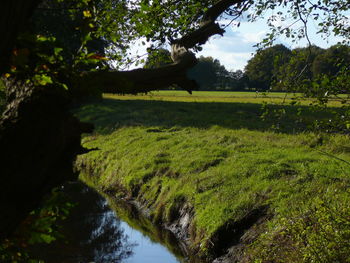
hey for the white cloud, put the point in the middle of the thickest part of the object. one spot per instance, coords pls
(235, 48)
(254, 37)
(233, 59)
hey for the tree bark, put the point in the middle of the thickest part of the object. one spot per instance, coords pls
(39, 140)
(140, 80)
(39, 137)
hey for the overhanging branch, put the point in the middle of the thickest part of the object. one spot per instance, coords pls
(139, 80)
(145, 80)
(208, 26)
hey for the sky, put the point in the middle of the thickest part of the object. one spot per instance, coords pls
(236, 46)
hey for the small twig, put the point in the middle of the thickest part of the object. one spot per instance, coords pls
(284, 99)
(333, 156)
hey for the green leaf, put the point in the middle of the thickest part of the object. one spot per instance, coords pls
(42, 79)
(57, 50)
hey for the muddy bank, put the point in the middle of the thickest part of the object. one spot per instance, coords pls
(228, 244)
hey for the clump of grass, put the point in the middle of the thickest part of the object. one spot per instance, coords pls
(316, 231)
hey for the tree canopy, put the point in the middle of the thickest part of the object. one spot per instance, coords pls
(94, 31)
(262, 68)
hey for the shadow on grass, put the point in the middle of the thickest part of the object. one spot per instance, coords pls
(111, 114)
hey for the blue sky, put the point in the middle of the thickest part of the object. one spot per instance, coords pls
(236, 47)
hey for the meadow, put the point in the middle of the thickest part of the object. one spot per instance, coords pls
(280, 189)
(221, 96)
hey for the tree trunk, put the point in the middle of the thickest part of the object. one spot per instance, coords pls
(39, 140)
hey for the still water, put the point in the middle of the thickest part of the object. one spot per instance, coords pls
(94, 233)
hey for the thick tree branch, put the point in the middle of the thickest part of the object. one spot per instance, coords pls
(208, 26)
(139, 80)
(216, 10)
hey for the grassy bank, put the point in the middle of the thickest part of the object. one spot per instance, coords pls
(221, 160)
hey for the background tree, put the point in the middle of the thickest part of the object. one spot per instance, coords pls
(158, 58)
(331, 61)
(205, 73)
(263, 67)
(296, 75)
(211, 75)
(238, 81)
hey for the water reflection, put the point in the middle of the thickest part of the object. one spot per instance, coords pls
(92, 232)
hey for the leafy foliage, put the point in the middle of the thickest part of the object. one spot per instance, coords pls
(312, 71)
(292, 19)
(263, 67)
(158, 58)
(94, 26)
(331, 17)
(317, 232)
(39, 227)
(161, 21)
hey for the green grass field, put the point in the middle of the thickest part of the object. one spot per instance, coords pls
(219, 157)
(220, 96)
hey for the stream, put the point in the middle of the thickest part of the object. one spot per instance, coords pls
(93, 233)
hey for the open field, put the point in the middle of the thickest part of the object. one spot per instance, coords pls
(220, 96)
(232, 170)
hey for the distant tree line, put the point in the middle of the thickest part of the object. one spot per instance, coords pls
(308, 69)
(276, 68)
(209, 73)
